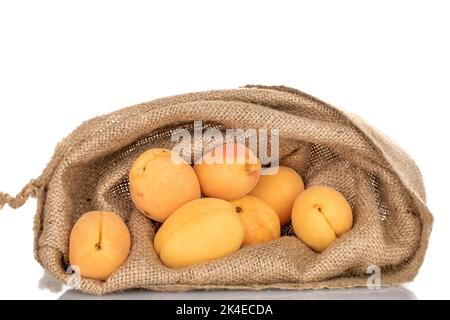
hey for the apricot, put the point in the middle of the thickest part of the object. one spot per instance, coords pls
(260, 221)
(320, 215)
(159, 184)
(228, 172)
(99, 244)
(279, 191)
(199, 231)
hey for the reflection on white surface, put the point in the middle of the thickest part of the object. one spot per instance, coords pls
(394, 293)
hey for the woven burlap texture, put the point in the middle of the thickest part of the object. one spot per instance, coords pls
(89, 169)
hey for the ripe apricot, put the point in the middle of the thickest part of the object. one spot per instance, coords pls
(159, 184)
(198, 231)
(99, 244)
(228, 172)
(320, 215)
(279, 191)
(261, 222)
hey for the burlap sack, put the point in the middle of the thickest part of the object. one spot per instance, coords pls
(89, 172)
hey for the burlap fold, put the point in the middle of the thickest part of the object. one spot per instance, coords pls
(89, 172)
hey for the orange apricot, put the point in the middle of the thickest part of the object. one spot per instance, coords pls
(99, 244)
(160, 183)
(228, 172)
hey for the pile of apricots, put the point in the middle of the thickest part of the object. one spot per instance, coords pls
(209, 210)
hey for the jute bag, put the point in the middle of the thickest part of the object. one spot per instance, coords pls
(89, 169)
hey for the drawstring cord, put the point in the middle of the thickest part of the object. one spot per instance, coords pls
(17, 201)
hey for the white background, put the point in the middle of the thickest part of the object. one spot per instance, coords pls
(62, 63)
